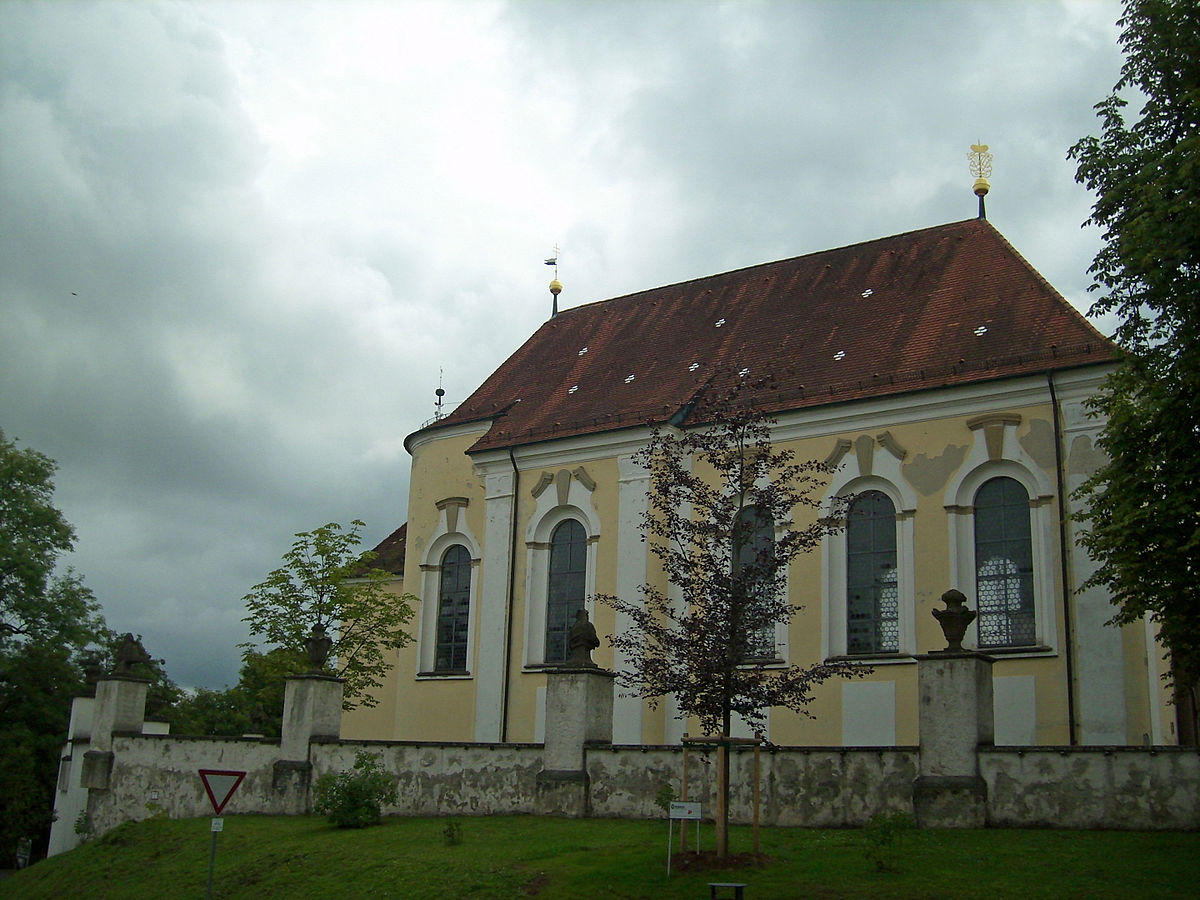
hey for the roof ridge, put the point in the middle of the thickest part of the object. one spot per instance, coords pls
(1046, 284)
(775, 262)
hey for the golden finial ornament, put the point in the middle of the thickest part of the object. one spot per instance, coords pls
(981, 167)
(555, 284)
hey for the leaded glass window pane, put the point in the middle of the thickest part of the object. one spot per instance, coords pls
(564, 596)
(757, 539)
(872, 599)
(1004, 565)
(454, 608)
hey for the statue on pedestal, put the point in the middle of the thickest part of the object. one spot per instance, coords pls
(130, 653)
(581, 641)
(317, 645)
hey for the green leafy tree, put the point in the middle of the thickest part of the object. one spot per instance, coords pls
(714, 490)
(36, 604)
(1143, 506)
(252, 706)
(48, 624)
(325, 582)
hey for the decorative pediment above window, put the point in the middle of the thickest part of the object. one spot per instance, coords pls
(543, 482)
(891, 445)
(840, 449)
(993, 426)
(450, 506)
(864, 450)
(562, 482)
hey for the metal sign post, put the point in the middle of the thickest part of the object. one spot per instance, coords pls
(686, 812)
(219, 784)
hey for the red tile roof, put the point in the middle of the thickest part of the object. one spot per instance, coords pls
(391, 551)
(949, 305)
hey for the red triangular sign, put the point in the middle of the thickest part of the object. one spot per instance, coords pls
(220, 785)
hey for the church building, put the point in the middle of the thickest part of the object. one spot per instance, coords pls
(940, 375)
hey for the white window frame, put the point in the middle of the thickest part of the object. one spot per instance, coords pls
(549, 513)
(452, 529)
(895, 573)
(1042, 525)
(997, 452)
(835, 547)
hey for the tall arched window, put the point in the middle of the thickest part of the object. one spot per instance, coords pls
(454, 607)
(755, 539)
(566, 588)
(872, 601)
(1004, 565)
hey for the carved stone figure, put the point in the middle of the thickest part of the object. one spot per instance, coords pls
(130, 653)
(581, 641)
(317, 646)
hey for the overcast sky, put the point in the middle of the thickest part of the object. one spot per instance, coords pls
(240, 241)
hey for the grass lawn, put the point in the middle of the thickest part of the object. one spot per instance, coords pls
(520, 856)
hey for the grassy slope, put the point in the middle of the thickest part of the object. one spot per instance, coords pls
(519, 857)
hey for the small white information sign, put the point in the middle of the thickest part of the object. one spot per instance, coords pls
(218, 824)
(684, 809)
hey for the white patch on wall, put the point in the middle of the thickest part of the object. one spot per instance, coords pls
(1014, 705)
(869, 714)
(539, 717)
(740, 728)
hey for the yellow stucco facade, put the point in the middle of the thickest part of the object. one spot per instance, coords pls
(1080, 681)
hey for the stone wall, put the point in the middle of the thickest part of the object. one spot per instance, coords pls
(815, 787)
(954, 779)
(1079, 787)
(159, 775)
(447, 779)
(1092, 787)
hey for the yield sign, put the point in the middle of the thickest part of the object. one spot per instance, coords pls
(220, 785)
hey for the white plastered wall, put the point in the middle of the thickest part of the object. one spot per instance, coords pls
(492, 617)
(1100, 665)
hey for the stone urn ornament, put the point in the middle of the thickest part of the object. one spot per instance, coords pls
(317, 645)
(954, 619)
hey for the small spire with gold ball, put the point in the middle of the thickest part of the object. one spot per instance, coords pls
(555, 284)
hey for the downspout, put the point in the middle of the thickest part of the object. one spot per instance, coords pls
(1072, 736)
(511, 599)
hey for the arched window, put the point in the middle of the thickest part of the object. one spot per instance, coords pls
(1004, 565)
(454, 607)
(872, 604)
(754, 542)
(566, 588)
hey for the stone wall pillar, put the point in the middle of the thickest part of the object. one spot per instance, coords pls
(120, 706)
(312, 710)
(955, 718)
(579, 709)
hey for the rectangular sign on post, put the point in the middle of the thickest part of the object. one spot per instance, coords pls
(682, 809)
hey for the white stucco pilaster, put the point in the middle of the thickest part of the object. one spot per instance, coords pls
(1099, 654)
(633, 498)
(493, 605)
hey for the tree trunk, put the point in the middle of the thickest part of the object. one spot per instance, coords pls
(722, 816)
